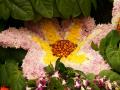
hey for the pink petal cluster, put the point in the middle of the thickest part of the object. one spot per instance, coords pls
(32, 65)
(88, 24)
(101, 30)
(15, 38)
(116, 13)
(116, 8)
(97, 63)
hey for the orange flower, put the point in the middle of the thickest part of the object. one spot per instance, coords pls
(4, 88)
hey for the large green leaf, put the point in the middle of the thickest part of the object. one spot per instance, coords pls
(12, 53)
(85, 6)
(4, 11)
(56, 12)
(94, 2)
(105, 42)
(20, 9)
(110, 49)
(43, 7)
(113, 56)
(11, 76)
(113, 76)
(66, 7)
(76, 9)
(3, 75)
(16, 79)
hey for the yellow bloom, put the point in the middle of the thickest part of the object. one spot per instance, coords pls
(56, 46)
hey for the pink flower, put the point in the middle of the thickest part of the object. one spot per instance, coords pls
(88, 25)
(101, 30)
(116, 8)
(32, 65)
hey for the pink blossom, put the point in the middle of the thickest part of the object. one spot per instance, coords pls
(32, 65)
(88, 24)
(97, 63)
(101, 30)
(116, 7)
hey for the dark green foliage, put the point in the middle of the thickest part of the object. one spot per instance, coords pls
(94, 46)
(110, 49)
(113, 76)
(29, 9)
(11, 76)
(10, 68)
(55, 84)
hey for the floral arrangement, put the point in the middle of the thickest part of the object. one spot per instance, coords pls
(70, 54)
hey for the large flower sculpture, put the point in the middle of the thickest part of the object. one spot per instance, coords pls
(69, 41)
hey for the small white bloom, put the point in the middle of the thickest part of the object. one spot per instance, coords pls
(63, 82)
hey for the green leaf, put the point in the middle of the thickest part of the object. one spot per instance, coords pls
(94, 86)
(54, 84)
(31, 83)
(113, 58)
(94, 46)
(49, 69)
(69, 72)
(66, 7)
(105, 42)
(76, 9)
(113, 76)
(110, 49)
(11, 76)
(12, 54)
(70, 83)
(3, 75)
(94, 2)
(16, 79)
(60, 66)
(56, 12)
(80, 73)
(5, 12)
(85, 6)
(20, 9)
(43, 7)
(90, 76)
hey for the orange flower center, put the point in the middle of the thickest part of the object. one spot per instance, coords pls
(63, 48)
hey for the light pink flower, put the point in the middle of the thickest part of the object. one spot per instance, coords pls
(97, 63)
(116, 13)
(32, 66)
(116, 7)
(101, 30)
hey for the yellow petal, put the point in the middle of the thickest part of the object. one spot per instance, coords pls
(50, 31)
(48, 58)
(73, 33)
(77, 57)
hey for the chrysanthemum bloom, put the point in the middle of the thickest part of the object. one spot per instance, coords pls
(51, 43)
(116, 14)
